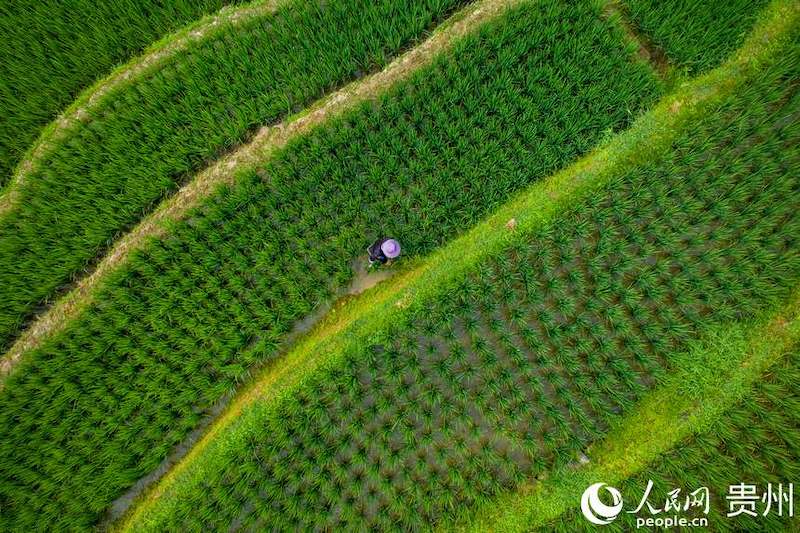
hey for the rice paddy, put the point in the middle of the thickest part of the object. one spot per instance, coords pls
(234, 278)
(717, 375)
(144, 139)
(52, 50)
(757, 439)
(572, 223)
(515, 369)
(695, 36)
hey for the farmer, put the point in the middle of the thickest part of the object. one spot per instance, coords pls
(383, 250)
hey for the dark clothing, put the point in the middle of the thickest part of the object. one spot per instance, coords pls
(375, 252)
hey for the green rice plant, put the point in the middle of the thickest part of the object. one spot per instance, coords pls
(737, 131)
(52, 50)
(695, 36)
(201, 306)
(146, 139)
(756, 441)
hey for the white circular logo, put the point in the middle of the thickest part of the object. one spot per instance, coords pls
(596, 511)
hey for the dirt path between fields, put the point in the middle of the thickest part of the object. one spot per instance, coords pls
(264, 143)
(78, 112)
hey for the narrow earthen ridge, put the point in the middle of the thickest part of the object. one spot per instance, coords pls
(223, 172)
(152, 60)
(646, 50)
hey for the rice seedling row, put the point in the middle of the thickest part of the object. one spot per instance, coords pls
(52, 50)
(694, 36)
(717, 371)
(190, 316)
(522, 363)
(755, 442)
(145, 139)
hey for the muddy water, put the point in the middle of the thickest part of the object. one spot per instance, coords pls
(121, 504)
(364, 279)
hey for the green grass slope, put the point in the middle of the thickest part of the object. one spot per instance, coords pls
(103, 402)
(51, 50)
(485, 380)
(695, 36)
(145, 138)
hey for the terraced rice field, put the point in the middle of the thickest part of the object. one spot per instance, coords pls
(588, 194)
(755, 439)
(694, 36)
(52, 50)
(89, 184)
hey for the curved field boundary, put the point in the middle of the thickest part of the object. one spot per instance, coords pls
(148, 139)
(714, 375)
(156, 56)
(354, 323)
(54, 51)
(266, 141)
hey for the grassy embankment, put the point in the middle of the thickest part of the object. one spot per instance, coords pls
(52, 50)
(101, 403)
(469, 375)
(143, 139)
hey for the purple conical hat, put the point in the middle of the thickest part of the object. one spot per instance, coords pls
(390, 248)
